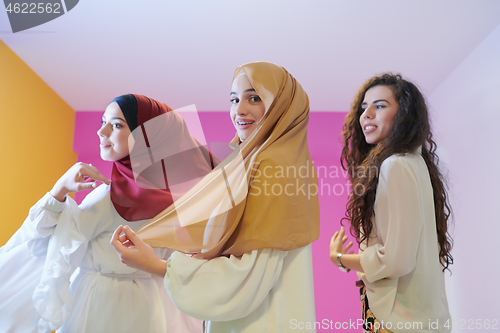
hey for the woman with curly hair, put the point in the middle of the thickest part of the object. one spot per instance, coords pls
(398, 210)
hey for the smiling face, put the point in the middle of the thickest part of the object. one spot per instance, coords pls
(379, 107)
(247, 108)
(114, 134)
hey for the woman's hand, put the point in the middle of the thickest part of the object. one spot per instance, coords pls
(79, 177)
(337, 245)
(135, 253)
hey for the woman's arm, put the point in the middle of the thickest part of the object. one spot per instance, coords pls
(399, 220)
(222, 288)
(219, 289)
(43, 216)
(37, 227)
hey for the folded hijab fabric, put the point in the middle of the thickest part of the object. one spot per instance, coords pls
(264, 195)
(164, 162)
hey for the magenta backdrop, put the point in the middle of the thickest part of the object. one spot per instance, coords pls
(337, 300)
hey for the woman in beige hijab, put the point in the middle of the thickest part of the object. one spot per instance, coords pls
(243, 234)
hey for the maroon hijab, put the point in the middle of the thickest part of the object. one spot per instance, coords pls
(164, 152)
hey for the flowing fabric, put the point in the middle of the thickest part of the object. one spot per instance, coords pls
(37, 263)
(264, 195)
(163, 154)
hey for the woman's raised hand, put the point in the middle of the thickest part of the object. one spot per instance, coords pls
(337, 245)
(79, 177)
(135, 253)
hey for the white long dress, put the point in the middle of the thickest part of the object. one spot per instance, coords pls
(262, 291)
(105, 295)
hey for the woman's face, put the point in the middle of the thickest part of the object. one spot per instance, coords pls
(247, 108)
(379, 107)
(113, 134)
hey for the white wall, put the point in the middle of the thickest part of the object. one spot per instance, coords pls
(466, 113)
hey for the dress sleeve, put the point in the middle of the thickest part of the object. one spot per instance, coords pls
(222, 289)
(50, 241)
(38, 226)
(399, 223)
(52, 296)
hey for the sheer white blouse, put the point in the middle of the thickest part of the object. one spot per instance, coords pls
(402, 273)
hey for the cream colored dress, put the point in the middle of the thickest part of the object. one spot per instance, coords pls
(262, 291)
(403, 277)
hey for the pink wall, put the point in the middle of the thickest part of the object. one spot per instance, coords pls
(86, 144)
(337, 300)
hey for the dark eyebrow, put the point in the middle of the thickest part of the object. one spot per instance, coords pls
(378, 100)
(115, 118)
(234, 93)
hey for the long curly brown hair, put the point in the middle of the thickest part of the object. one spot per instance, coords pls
(410, 130)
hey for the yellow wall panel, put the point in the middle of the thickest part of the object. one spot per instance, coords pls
(36, 138)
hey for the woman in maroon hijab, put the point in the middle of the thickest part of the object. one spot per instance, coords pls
(155, 160)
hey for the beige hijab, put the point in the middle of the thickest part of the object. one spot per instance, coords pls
(264, 195)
